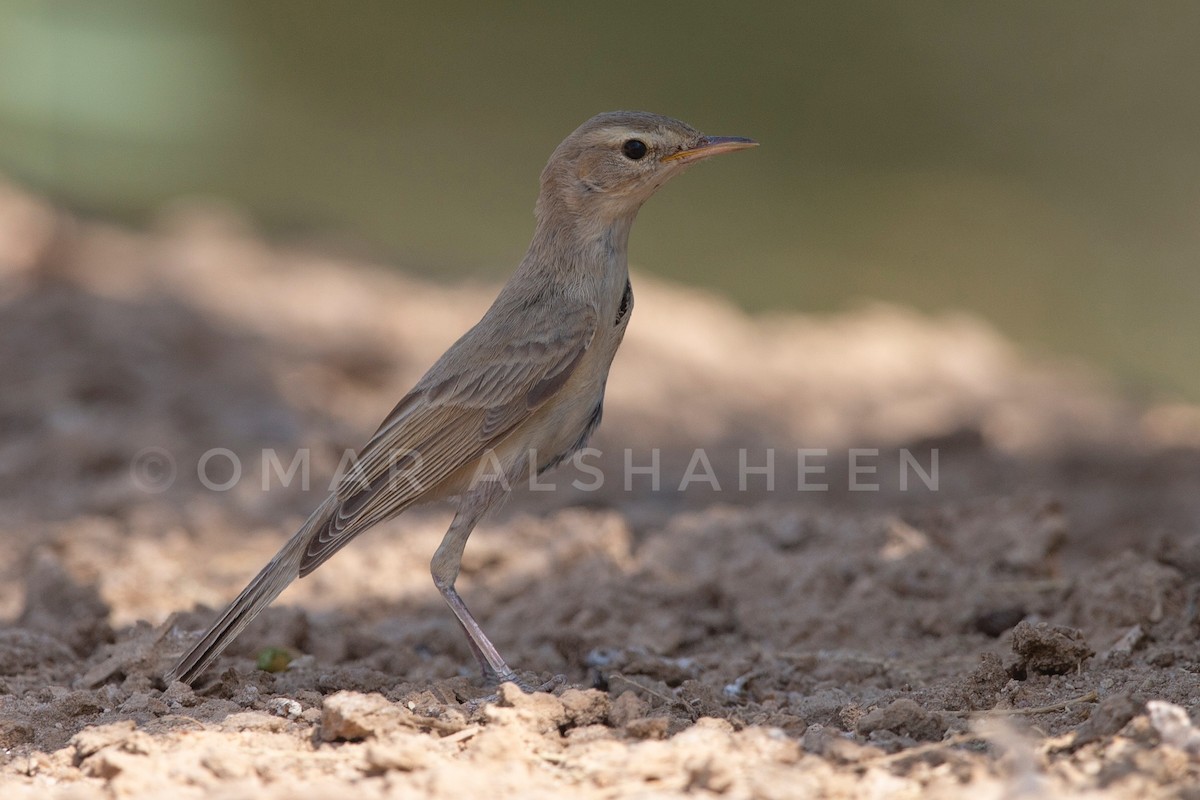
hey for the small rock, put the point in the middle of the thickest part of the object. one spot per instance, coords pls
(105, 751)
(585, 707)
(979, 689)
(90, 741)
(538, 711)
(179, 693)
(625, 708)
(284, 707)
(83, 703)
(1124, 647)
(1047, 649)
(144, 702)
(1111, 715)
(1174, 726)
(906, 718)
(648, 727)
(352, 715)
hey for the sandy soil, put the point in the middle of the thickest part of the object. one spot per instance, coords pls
(1027, 625)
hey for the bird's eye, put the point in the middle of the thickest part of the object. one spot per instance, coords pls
(634, 149)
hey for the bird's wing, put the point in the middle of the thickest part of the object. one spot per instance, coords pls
(470, 400)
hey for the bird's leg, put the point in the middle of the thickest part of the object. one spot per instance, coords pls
(445, 566)
(490, 661)
(489, 675)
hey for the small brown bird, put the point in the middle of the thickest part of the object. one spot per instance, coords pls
(527, 382)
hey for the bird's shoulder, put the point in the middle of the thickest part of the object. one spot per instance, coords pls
(518, 341)
(520, 352)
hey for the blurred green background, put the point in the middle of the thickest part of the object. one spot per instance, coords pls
(1037, 163)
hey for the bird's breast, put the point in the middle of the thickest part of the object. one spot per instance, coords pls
(562, 424)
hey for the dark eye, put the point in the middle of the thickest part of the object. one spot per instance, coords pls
(634, 149)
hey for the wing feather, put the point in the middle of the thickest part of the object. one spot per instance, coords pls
(465, 404)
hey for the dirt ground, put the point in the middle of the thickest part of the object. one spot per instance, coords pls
(1020, 621)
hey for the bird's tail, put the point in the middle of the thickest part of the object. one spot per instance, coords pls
(266, 586)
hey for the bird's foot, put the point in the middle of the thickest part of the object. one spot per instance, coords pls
(499, 678)
(547, 686)
(526, 686)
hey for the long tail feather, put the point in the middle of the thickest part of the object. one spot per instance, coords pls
(266, 586)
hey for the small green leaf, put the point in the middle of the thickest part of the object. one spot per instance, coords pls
(273, 659)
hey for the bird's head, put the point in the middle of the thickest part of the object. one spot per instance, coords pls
(612, 163)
